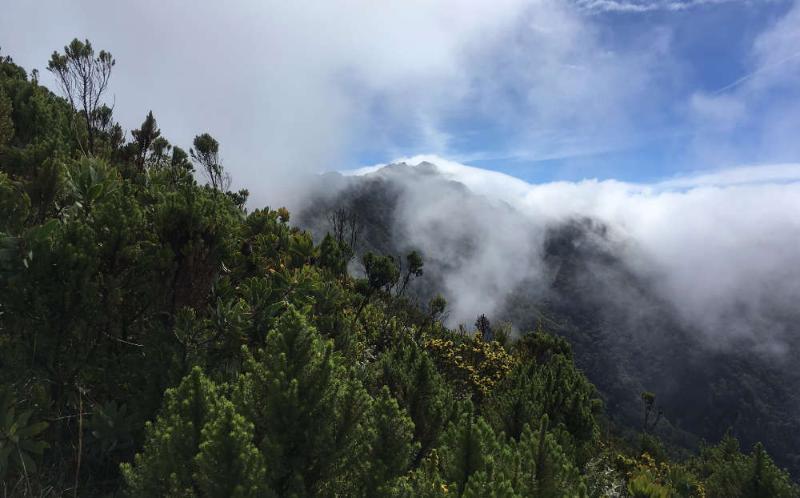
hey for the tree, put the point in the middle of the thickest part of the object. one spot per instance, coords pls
(382, 274)
(393, 447)
(411, 377)
(332, 256)
(164, 467)
(6, 124)
(726, 471)
(144, 138)
(206, 154)
(468, 446)
(229, 464)
(83, 78)
(546, 469)
(180, 158)
(552, 386)
(414, 266)
(649, 405)
(346, 228)
(485, 328)
(310, 417)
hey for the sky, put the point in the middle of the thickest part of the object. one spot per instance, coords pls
(634, 90)
(673, 122)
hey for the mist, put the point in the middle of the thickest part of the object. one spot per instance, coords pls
(721, 248)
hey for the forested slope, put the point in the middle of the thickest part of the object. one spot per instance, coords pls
(159, 339)
(578, 282)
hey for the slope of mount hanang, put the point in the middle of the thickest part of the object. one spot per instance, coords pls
(163, 333)
(493, 247)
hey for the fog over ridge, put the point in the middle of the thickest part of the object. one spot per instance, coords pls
(723, 247)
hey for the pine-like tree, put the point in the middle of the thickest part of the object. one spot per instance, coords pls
(144, 138)
(164, 467)
(468, 446)
(309, 415)
(411, 376)
(546, 470)
(393, 448)
(228, 464)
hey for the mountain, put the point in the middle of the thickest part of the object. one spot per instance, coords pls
(577, 277)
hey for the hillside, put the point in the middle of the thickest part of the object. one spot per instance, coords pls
(160, 338)
(627, 337)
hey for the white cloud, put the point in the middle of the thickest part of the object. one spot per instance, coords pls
(641, 6)
(752, 118)
(742, 175)
(722, 246)
(290, 88)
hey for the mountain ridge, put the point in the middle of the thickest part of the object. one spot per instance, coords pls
(627, 336)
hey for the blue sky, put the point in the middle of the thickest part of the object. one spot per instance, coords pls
(708, 49)
(636, 90)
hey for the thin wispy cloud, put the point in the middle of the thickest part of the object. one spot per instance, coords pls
(632, 6)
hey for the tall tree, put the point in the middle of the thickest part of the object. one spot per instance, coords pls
(206, 154)
(144, 138)
(6, 124)
(83, 78)
(310, 416)
(414, 266)
(164, 468)
(228, 464)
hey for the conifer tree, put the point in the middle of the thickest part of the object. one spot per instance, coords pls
(144, 138)
(481, 485)
(331, 256)
(468, 446)
(516, 403)
(229, 464)
(411, 376)
(309, 417)
(6, 124)
(425, 482)
(546, 469)
(164, 467)
(393, 448)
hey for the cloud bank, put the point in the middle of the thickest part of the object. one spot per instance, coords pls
(722, 247)
(290, 88)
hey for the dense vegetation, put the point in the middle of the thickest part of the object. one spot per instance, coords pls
(157, 339)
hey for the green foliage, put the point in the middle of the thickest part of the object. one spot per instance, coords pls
(468, 446)
(300, 397)
(146, 138)
(178, 345)
(206, 154)
(166, 466)
(728, 472)
(642, 486)
(20, 438)
(392, 448)
(229, 464)
(111, 428)
(83, 79)
(332, 257)
(411, 376)
(554, 388)
(6, 123)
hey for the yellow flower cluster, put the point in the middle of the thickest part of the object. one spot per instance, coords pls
(660, 473)
(475, 365)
